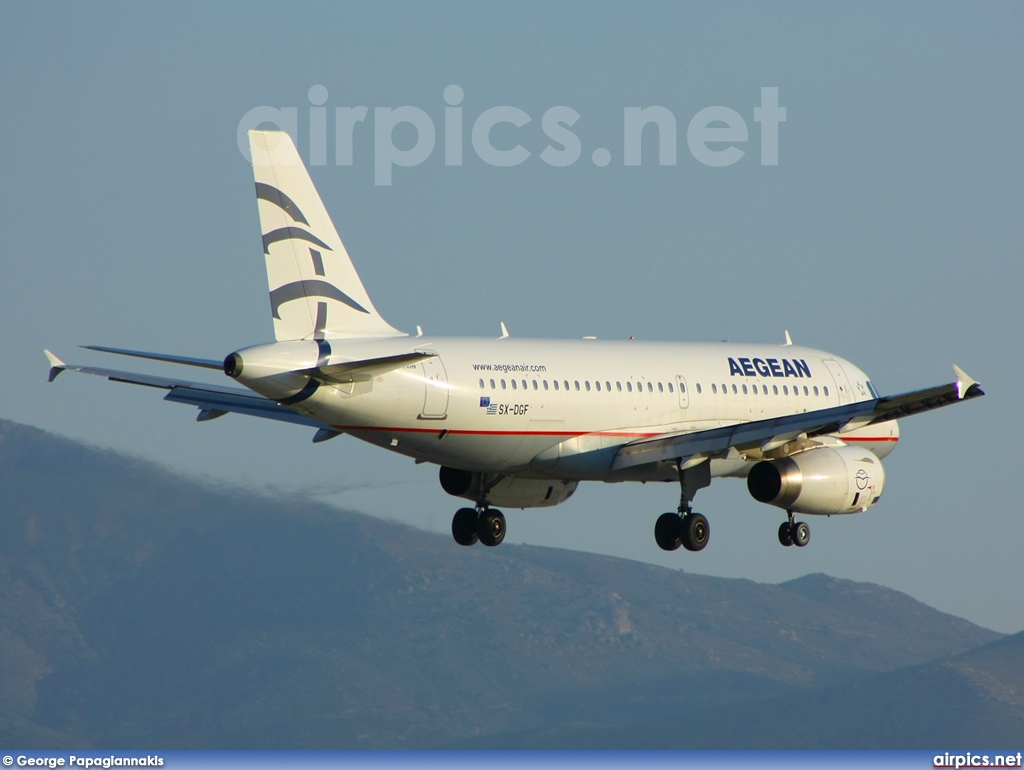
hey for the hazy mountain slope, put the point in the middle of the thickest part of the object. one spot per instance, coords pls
(138, 608)
(973, 700)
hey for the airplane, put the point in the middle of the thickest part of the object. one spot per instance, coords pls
(519, 423)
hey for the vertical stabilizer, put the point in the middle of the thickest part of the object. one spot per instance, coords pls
(315, 292)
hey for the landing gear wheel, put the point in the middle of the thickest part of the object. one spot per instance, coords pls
(785, 534)
(801, 534)
(667, 531)
(491, 527)
(464, 526)
(694, 531)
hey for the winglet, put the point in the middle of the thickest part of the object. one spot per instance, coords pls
(56, 365)
(964, 381)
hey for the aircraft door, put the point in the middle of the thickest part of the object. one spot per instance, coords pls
(683, 391)
(435, 382)
(843, 386)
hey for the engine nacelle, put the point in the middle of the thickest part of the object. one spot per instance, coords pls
(510, 492)
(826, 481)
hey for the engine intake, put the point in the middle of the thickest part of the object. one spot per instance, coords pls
(824, 481)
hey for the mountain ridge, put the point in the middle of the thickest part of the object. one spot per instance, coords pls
(140, 608)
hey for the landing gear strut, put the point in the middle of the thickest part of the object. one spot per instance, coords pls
(794, 532)
(685, 528)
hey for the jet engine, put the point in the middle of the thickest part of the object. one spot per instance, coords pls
(825, 481)
(509, 492)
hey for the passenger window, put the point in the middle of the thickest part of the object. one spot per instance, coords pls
(502, 384)
(618, 386)
(699, 389)
(629, 386)
(735, 390)
(597, 384)
(764, 389)
(577, 384)
(825, 390)
(714, 388)
(556, 384)
(545, 384)
(608, 386)
(535, 385)
(815, 390)
(586, 384)
(514, 385)
(524, 384)
(806, 393)
(670, 388)
(492, 385)
(775, 390)
(744, 390)
(481, 384)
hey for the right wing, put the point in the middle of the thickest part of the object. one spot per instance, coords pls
(776, 431)
(212, 400)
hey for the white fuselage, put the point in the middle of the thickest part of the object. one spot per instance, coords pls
(558, 408)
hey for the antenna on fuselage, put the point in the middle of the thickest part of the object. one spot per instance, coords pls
(789, 340)
(504, 332)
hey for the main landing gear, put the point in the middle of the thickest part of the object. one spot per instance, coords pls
(486, 525)
(794, 532)
(482, 523)
(685, 528)
(689, 530)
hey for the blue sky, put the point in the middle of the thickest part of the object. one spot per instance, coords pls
(889, 233)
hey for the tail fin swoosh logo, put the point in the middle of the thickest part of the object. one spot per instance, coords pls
(303, 289)
(288, 233)
(271, 194)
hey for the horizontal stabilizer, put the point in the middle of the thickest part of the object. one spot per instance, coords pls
(367, 369)
(212, 400)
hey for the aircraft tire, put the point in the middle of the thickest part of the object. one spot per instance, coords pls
(491, 527)
(695, 531)
(801, 534)
(667, 532)
(785, 534)
(464, 526)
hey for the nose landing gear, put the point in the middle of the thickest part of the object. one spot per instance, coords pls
(794, 532)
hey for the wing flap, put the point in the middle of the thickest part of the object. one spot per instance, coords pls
(740, 435)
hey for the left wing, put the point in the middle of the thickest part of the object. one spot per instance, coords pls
(776, 431)
(212, 400)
